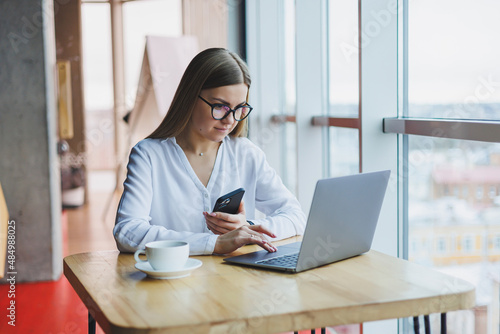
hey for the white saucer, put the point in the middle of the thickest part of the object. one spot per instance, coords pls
(191, 264)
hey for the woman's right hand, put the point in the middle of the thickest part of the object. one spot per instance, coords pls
(231, 241)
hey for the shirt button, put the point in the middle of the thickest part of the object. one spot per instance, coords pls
(207, 208)
(206, 195)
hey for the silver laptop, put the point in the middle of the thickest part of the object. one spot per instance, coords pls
(341, 224)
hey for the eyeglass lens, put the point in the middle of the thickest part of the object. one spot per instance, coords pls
(219, 111)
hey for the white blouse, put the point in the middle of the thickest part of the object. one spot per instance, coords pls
(164, 199)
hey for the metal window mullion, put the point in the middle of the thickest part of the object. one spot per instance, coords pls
(282, 93)
(403, 146)
(326, 85)
(360, 73)
(405, 140)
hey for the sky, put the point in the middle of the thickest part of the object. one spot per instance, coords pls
(454, 51)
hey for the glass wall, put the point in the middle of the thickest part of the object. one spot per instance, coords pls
(98, 86)
(450, 195)
(454, 220)
(342, 88)
(454, 58)
(454, 185)
(344, 151)
(343, 58)
(343, 85)
(289, 139)
(97, 65)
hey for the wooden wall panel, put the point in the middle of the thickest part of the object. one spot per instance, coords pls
(207, 20)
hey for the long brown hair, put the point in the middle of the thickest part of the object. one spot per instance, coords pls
(211, 68)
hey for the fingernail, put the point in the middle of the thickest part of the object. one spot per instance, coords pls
(212, 214)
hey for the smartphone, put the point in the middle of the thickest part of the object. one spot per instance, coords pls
(230, 202)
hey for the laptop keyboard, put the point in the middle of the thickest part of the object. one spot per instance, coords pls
(286, 261)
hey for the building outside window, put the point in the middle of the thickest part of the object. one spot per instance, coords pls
(453, 73)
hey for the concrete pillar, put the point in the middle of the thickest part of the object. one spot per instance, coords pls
(29, 169)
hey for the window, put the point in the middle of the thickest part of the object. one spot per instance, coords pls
(271, 28)
(327, 83)
(287, 73)
(142, 18)
(496, 242)
(468, 244)
(429, 72)
(344, 151)
(98, 86)
(343, 58)
(441, 245)
(343, 86)
(453, 60)
(493, 192)
(449, 109)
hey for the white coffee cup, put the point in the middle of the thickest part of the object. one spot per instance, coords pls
(167, 255)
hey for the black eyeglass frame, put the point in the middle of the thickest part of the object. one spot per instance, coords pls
(227, 112)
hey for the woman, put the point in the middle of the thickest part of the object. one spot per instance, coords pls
(198, 153)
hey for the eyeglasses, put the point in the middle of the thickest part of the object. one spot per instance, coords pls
(221, 111)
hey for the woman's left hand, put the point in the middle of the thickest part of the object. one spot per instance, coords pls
(221, 222)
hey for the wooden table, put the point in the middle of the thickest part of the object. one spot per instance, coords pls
(224, 298)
